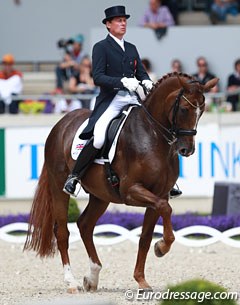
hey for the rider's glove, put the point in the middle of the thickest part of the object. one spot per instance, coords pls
(148, 84)
(130, 83)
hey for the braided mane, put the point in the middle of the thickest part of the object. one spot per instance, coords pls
(167, 76)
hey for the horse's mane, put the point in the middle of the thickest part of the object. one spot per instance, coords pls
(165, 77)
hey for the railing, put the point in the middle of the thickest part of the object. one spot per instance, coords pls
(220, 97)
(122, 234)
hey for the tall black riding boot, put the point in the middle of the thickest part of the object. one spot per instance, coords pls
(175, 192)
(85, 158)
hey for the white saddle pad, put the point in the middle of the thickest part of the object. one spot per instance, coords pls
(78, 144)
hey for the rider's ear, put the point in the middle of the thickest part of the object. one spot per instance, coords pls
(183, 84)
(210, 84)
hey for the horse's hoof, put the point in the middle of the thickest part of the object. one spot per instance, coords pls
(88, 285)
(72, 290)
(157, 250)
(145, 289)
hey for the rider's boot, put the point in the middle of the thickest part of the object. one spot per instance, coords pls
(85, 158)
(175, 192)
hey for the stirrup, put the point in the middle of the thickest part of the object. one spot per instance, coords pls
(72, 178)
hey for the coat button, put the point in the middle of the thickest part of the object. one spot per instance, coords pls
(123, 74)
(131, 74)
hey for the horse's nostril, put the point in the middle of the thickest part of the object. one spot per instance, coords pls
(184, 152)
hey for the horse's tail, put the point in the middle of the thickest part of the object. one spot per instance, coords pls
(40, 237)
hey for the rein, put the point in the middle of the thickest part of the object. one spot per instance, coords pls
(171, 135)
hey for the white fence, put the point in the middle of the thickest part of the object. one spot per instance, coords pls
(124, 234)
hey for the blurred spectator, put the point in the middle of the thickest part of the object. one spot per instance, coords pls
(203, 75)
(148, 67)
(66, 105)
(233, 85)
(220, 9)
(10, 84)
(71, 60)
(176, 65)
(157, 17)
(82, 81)
(173, 8)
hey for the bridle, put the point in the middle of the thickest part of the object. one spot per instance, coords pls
(172, 134)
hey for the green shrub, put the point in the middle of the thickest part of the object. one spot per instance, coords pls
(73, 210)
(195, 294)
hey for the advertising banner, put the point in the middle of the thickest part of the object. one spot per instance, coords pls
(24, 148)
(217, 158)
(2, 163)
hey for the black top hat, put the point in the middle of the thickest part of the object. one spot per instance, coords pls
(115, 11)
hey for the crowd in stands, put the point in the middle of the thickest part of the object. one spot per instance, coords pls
(10, 85)
(74, 75)
(219, 10)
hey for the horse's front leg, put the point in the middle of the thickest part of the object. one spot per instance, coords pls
(164, 245)
(150, 219)
(138, 195)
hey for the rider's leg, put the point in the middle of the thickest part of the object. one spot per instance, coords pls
(175, 192)
(92, 147)
(85, 158)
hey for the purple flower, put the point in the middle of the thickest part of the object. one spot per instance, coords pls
(133, 220)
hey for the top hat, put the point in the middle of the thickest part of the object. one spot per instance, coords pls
(115, 11)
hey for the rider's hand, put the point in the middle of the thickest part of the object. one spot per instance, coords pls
(130, 83)
(148, 84)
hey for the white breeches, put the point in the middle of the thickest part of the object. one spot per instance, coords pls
(112, 111)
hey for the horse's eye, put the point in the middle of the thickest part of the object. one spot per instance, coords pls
(183, 110)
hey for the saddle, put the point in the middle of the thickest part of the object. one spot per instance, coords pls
(111, 133)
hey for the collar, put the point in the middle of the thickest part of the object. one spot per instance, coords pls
(118, 41)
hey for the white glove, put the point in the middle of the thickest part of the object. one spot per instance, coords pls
(130, 83)
(148, 84)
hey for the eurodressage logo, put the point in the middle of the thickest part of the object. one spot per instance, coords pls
(199, 297)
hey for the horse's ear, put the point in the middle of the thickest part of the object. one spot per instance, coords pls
(210, 84)
(183, 84)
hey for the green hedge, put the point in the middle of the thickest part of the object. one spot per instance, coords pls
(73, 210)
(197, 291)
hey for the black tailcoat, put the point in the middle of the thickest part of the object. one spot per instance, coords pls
(110, 64)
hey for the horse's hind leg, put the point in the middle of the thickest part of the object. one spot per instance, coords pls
(60, 212)
(86, 224)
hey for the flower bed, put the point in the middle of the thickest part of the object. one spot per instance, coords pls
(133, 220)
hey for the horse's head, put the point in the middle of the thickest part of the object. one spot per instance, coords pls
(185, 107)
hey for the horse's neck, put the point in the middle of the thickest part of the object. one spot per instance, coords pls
(155, 104)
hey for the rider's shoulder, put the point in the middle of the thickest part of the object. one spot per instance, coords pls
(131, 45)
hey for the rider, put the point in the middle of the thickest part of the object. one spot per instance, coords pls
(117, 70)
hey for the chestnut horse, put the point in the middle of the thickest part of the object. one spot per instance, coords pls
(146, 163)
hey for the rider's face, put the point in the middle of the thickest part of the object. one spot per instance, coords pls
(117, 26)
